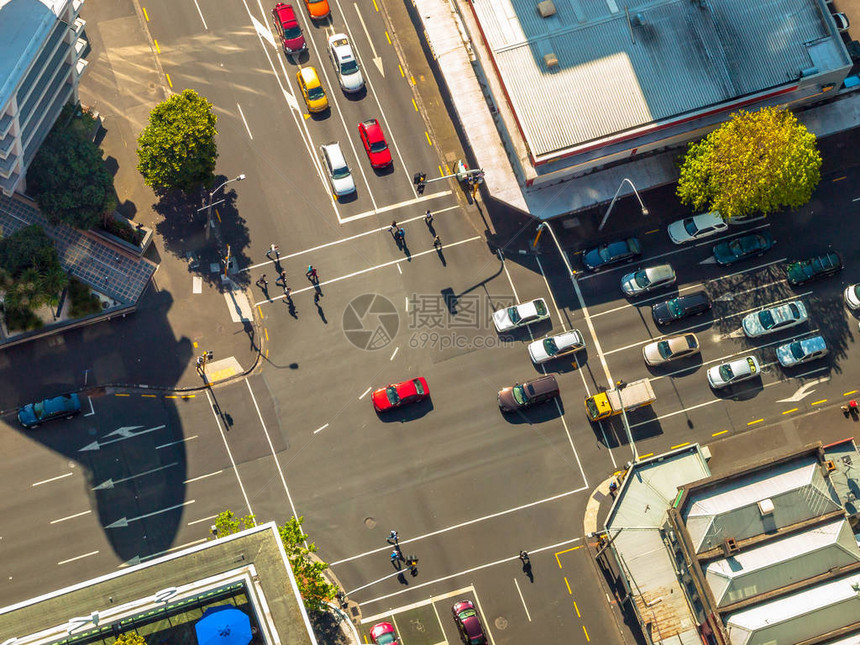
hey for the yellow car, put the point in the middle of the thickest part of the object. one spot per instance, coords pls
(312, 89)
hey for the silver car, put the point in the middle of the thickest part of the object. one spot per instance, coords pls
(551, 347)
(520, 315)
(801, 351)
(852, 296)
(647, 279)
(740, 369)
(773, 319)
(670, 349)
(337, 169)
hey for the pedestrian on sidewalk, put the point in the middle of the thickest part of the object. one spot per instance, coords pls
(428, 217)
(262, 282)
(613, 488)
(311, 273)
(273, 250)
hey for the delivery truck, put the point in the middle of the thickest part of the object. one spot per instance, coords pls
(631, 396)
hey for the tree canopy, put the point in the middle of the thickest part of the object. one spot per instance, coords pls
(757, 162)
(68, 178)
(177, 149)
(130, 638)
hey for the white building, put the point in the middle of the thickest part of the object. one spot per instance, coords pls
(41, 63)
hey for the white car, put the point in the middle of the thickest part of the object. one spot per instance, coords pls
(648, 279)
(697, 227)
(345, 64)
(773, 319)
(670, 349)
(551, 347)
(733, 372)
(520, 315)
(337, 169)
(852, 296)
(801, 351)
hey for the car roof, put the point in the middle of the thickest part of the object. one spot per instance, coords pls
(341, 45)
(372, 126)
(285, 13)
(309, 74)
(542, 384)
(660, 270)
(708, 218)
(693, 298)
(813, 344)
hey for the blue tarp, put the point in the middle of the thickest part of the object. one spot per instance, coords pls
(224, 625)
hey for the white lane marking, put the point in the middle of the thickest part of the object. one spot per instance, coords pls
(394, 353)
(242, 114)
(377, 60)
(202, 519)
(510, 280)
(645, 301)
(366, 392)
(203, 20)
(522, 600)
(805, 374)
(413, 587)
(400, 609)
(173, 443)
(70, 517)
(750, 270)
(321, 428)
(391, 207)
(461, 525)
(92, 409)
(124, 434)
(272, 449)
(207, 476)
(85, 555)
(109, 483)
(52, 479)
(367, 270)
(229, 452)
(726, 297)
(600, 353)
(804, 390)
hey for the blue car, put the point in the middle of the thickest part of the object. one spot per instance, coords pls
(65, 406)
(743, 247)
(612, 253)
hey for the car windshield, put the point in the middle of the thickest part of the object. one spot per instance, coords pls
(726, 372)
(419, 386)
(386, 639)
(766, 319)
(391, 393)
(641, 279)
(604, 253)
(292, 32)
(349, 67)
(514, 315)
(663, 348)
(794, 309)
(378, 146)
(519, 394)
(550, 346)
(856, 290)
(591, 408)
(539, 307)
(675, 308)
(690, 226)
(467, 613)
(340, 173)
(736, 247)
(315, 93)
(692, 343)
(796, 351)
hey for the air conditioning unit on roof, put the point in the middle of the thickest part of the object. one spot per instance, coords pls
(546, 8)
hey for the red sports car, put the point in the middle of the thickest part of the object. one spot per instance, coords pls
(393, 396)
(383, 634)
(374, 143)
(468, 624)
(287, 28)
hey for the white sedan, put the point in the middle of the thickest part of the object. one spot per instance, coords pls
(852, 296)
(773, 319)
(552, 347)
(670, 349)
(520, 315)
(733, 372)
(697, 227)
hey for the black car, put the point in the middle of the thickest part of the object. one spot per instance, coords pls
(819, 266)
(694, 304)
(611, 253)
(743, 247)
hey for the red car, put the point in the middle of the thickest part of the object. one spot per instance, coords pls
(469, 625)
(383, 634)
(374, 143)
(288, 29)
(393, 396)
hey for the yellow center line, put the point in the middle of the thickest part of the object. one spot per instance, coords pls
(752, 423)
(402, 73)
(585, 631)
(650, 454)
(790, 411)
(375, 6)
(717, 434)
(119, 394)
(849, 393)
(145, 15)
(388, 37)
(415, 105)
(426, 134)
(656, 230)
(169, 82)
(838, 179)
(170, 396)
(266, 332)
(817, 402)
(148, 396)
(259, 311)
(158, 49)
(569, 592)
(680, 445)
(578, 615)
(188, 396)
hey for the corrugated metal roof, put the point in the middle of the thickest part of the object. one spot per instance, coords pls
(683, 56)
(782, 562)
(797, 489)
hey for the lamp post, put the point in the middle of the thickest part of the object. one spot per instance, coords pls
(545, 225)
(211, 196)
(612, 203)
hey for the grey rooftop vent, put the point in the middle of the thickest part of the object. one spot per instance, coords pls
(550, 60)
(546, 8)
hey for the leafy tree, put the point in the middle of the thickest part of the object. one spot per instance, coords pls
(130, 638)
(68, 178)
(177, 149)
(757, 162)
(227, 523)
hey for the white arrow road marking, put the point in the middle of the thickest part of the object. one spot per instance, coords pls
(263, 31)
(710, 260)
(110, 483)
(125, 434)
(376, 58)
(125, 431)
(125, 521)
(804, 390)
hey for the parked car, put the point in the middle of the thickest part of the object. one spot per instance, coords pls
(773, 319)
(669, 349)
(524, 395)
(337, 169)
(318, 9)
(819, 266)
(374, 143)
(743, 247)
(345, 64)
(520, 315)
(312, 90)
(58, 407)
(852, 296)
(612, 253)
(551, 347)
(468, 623)
(383, 634)
(801, 351)
(841, 21)
(647, 279)
(693, 304)
(399, 394)
(288, 29)
(696, 227)
(735, 371)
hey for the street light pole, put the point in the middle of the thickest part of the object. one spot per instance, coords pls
(211, 196)
(545, 225)
(612, 203)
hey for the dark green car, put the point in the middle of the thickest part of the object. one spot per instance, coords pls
(743, 247)
(819, 266)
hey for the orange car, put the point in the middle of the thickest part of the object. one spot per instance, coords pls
(318, 9)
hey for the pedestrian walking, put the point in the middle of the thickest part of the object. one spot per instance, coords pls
(613, 488)
(393, 537)
(428, 217)
(524, 557)
(262, 282)
(282, 279)
(437, 243)
(273, 250)
(393, 228)
(287, 292)
(395, 558)
(311, 273)
(401, 233)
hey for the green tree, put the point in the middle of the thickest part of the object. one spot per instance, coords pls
(68, 178)
(177, 149)
(227, 523)
(130, 638)
(756, 162)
